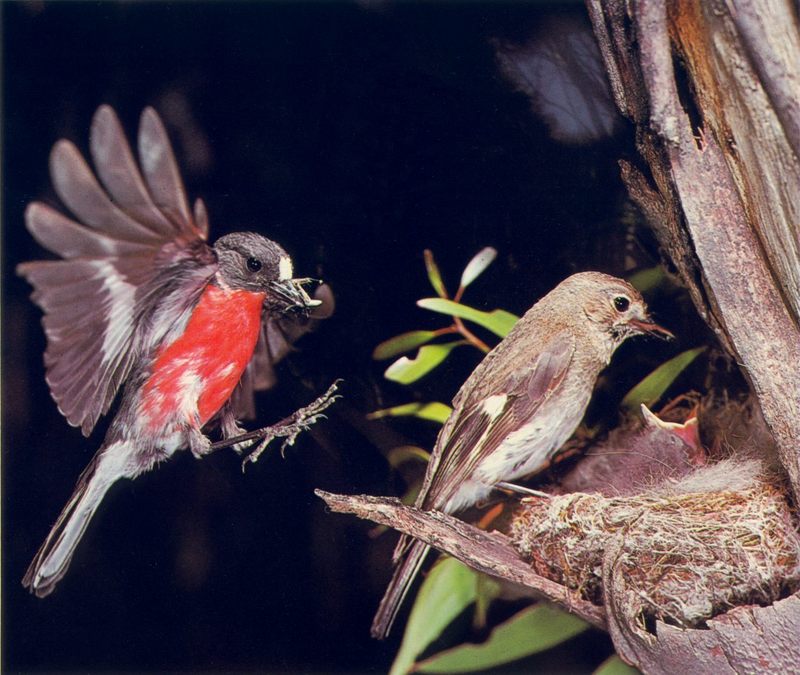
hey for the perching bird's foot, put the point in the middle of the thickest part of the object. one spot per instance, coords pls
(291, 427)
(288, 428)
(230, 429)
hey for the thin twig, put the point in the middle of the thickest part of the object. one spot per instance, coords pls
(473, 339)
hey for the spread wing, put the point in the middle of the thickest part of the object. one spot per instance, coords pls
(116, 253)
(482, 422)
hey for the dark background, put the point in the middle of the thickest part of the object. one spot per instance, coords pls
(356, 135)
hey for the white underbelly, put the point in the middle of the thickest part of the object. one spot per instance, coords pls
(520, 453)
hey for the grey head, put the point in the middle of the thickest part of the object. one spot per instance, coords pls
(249, 261)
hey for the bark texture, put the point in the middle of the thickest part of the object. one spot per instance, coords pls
(713, 89)
(744, 640)
(487, 552)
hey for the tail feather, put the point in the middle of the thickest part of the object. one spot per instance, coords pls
(407, 570)
(52, 561)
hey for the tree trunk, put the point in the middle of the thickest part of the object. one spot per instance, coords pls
(713, 90)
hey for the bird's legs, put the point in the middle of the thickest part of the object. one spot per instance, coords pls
(231, 430)
(198, 441)
(288, 428)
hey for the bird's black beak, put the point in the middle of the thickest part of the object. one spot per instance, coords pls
(289, 295)
(648, 327)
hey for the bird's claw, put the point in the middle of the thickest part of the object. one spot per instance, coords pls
(300, 421)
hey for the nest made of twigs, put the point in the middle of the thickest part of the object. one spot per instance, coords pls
(684, 556)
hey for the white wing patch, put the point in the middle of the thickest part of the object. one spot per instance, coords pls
(531, 446)
(120, 302)
(494, 406)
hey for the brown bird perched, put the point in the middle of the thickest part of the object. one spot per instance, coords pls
(521, 404)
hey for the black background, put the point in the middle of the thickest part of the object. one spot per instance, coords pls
(356, 136)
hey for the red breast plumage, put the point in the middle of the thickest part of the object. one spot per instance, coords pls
(202, 367)
(186, 331)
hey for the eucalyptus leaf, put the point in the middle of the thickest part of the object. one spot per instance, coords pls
(615, 666)
(652, 387)
(402, 343)
(406, 453)
(488, 588)
(477, 265)
(434, 275)
(528, 632)
(498, 321)
(446, 592)
(406, 370)
(433, 411)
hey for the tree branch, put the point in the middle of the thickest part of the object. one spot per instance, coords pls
(490, 553)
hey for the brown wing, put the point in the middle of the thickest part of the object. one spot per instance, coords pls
(473, 433)
(123, 238)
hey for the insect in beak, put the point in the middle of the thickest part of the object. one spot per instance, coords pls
(289, 295)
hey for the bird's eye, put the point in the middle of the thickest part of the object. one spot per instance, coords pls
(253, 264)
(621, 303)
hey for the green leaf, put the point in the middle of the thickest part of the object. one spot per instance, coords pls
(406, 453)
(652, 387)
(446, 592)
(402, 343)
(647, 280)
(477, 265)
(530, 631)
(433, 411)
(406, 370)
(488, 588)
(498, 321)
(615, 666)
(434, 275)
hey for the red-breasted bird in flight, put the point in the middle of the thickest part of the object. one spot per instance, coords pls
(140, 302)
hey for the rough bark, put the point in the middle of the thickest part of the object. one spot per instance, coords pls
(745, 640)
(712, 88)
(487, 552)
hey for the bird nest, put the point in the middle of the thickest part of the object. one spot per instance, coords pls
(682, 555)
